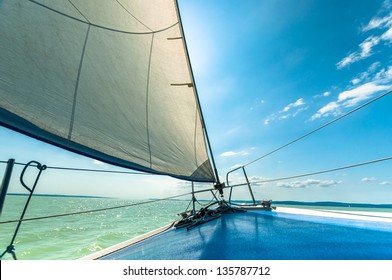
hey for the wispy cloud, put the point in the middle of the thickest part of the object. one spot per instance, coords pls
(232, 153)
(324, 94)
(378, 22)
(350, 98)
(378, 76)
(257, 180)
(297, 103)
(307, 183)
(367, 75)
(373, 179)
(367, 179)
(289, 111)
(386, 183)
(366, 48)
(238, 178)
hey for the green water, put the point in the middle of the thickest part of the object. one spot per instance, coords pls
(72, 237)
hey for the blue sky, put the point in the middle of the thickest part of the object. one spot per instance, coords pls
(268, 72)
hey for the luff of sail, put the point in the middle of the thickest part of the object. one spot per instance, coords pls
(107, 79)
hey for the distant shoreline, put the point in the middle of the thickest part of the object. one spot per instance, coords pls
(60, 195)
(333, 204)
(288, 202)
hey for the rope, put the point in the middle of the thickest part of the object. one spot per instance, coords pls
(97, 210)
(97, 170)
(208, 203)
(87, 169)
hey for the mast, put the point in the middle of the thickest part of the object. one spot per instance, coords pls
(217, 181)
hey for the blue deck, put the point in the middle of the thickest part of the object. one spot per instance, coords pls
(267, 235)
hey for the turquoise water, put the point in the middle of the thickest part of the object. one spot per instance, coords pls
(72, 237)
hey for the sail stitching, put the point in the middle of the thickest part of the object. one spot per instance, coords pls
(133, 16)
(195, 138)
(79, 11)
(147, 95)
(77, 85)
(103, 27)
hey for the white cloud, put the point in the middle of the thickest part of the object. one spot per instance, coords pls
(257, 180)
(384, 75)
(232, 154)
(355, 81)
(366, 75)
(299, 111)
(297, 103)
(366, 47)
(386, 183)
(378, 23)
(307, 183)
(324, 94)
(238, 178)
(350, 98)
(367, 180)
(365, 50)
(287, 112)
(387, 36)
(387, 5)
(332, 108)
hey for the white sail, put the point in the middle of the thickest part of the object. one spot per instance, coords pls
(104, 78)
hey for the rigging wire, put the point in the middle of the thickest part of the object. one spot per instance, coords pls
(88, 170)
(318, 172)
(208, 203)
(98, 170)
(237, 185)
(103, 209)
(319, 128)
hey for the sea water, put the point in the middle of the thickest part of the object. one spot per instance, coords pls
(75, 236)
(72, 237)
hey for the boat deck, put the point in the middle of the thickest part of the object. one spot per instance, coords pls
(272, 235)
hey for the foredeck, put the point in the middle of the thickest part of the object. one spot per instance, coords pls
(271, 235)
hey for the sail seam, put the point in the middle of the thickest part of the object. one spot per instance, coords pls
(77, 85)
(195, 138)
(147, 99)
(79, 11)
(125, 9)
(100, 26)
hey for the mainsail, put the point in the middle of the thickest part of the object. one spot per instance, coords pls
(109, 79)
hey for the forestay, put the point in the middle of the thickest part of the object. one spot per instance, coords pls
(104, 78)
